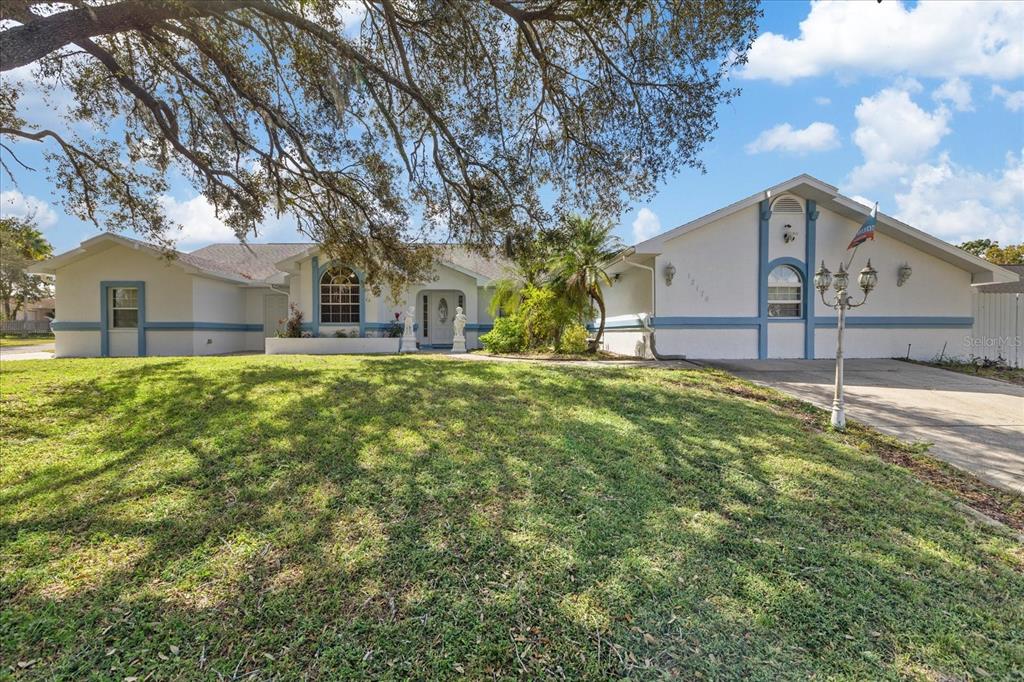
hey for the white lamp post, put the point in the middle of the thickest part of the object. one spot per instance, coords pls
(867, 280)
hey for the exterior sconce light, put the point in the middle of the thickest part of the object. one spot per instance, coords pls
(788, 234)
(670, 273)
(903, 274)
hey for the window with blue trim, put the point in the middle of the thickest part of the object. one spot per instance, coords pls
(339, 296)
(785, 292)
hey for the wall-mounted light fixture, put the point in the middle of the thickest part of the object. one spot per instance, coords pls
(788, 233)
(670, 272)
(903, 274)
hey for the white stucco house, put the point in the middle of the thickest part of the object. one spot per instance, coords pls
(117, 296)
(738, 284)
(740, 287)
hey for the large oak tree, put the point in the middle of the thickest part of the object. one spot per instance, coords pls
(464, 120)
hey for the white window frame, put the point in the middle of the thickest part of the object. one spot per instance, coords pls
(114, 307)
(346, 309)
(798, 301)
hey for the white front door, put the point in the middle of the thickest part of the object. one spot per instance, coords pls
(437, 316)
(275, 311)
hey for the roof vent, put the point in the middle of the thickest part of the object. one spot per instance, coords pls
(787, 204)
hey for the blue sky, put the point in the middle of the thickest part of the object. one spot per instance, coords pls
(919, 106)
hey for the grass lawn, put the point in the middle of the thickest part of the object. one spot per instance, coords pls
(332, 517)
(8, 341)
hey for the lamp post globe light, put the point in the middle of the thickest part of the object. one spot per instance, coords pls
(823, 279)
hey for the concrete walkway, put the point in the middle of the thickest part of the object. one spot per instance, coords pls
(975, 424)
(39, 351)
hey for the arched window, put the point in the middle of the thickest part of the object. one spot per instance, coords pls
(339, 296)
(785, 292)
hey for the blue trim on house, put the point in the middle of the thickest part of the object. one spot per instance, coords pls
(204, 326)
(105, 287)
(705, 322)
(801, 269)
(809, 260)
(477, 327)
(314, 324)
(58, 326)
(318, 272)
(764, 214)
(919, 321)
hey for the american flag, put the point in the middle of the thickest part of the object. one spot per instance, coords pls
(866, 231)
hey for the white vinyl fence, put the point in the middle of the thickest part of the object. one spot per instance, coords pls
(997, 328)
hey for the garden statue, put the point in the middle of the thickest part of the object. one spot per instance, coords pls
(409, 334)
(459, 342)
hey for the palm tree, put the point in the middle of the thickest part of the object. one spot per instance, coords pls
(580, 268)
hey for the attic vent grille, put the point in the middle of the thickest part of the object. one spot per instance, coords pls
(787, 205)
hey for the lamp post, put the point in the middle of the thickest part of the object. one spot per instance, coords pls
(823, 279)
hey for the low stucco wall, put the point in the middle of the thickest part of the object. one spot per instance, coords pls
(330, 346)
(77, 344)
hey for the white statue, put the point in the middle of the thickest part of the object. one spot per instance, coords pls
(459, 342)
(409, 333)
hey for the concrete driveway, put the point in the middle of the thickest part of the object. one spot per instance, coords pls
(40, 351)
(975, 424)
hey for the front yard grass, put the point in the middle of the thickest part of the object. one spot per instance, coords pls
(7, 341)
(327, 517)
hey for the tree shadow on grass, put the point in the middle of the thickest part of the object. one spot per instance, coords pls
(423, 518)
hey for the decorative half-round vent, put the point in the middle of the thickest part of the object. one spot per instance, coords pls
(787, 205)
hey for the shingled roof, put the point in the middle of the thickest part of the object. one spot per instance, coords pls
(257, 261)
(252, 261)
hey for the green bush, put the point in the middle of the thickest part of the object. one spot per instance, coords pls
(507, 336)
(574, 340)
(545, 314)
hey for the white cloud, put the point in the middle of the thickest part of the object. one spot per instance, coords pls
(15, 204)
(1012, 100)
(199, 222)
(957, 91)
(201, 226)
(816, 137)
(958, 203)
(935, 39)
(892, 133)
(822, 101)
(646, 225)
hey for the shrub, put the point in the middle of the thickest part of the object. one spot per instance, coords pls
(340, 334)
(506, 337)
(292, 325)
(545, 314)
(574, 340)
